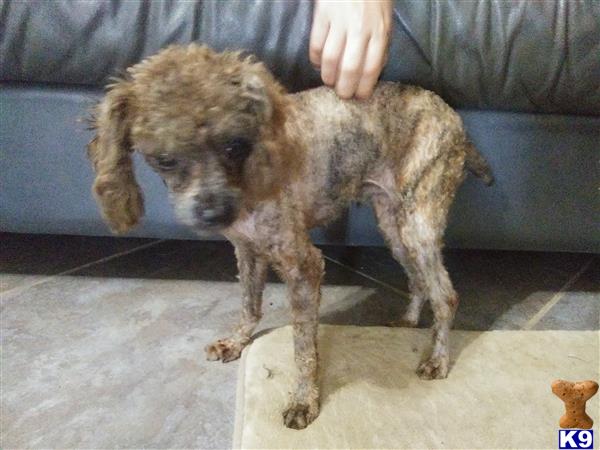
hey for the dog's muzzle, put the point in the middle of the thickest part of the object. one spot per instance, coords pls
(214, 216)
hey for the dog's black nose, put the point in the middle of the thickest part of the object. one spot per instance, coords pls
(211, 216)
(214, 215)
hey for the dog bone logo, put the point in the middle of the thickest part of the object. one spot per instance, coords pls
(575, 394)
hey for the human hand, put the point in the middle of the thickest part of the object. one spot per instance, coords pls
(349, 42)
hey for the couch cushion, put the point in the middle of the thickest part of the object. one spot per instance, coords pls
(545, 196)
(518, 55)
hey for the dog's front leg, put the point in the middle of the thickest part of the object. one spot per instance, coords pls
(301, 267)
(253, 270)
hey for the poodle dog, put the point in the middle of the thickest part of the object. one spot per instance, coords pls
(243, 158)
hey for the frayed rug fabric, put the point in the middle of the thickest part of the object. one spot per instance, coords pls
(497, 394)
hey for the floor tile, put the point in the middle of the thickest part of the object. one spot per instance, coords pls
(27, 258)
(503, 290)
(498, 290)
(215, 261)
(172, 260)
(104, 363)
(119, 362)
(112, 355)
(579, 306)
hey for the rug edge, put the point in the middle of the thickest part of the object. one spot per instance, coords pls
(240, 401)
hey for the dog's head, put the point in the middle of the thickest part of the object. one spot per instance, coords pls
(210, 124)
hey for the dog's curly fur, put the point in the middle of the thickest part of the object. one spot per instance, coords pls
(242, 157)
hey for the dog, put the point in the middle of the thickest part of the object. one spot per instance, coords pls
(243, 158)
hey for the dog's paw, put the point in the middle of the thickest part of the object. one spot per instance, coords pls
(225, 350)
(434, 368)
(406, 321)
(299, 415)
(402, 323)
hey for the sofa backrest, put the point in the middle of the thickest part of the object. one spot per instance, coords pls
(521, 55)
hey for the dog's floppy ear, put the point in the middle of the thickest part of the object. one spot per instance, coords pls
(115, 189)
(274, 160)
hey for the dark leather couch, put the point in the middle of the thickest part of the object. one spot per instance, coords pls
(525, 76)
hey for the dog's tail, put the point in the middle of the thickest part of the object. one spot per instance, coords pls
(477, 164)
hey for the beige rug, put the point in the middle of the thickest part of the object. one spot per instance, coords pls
(497, 395)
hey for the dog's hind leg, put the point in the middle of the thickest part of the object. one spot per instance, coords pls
(425, 258)
(388, 220)
(420, 220)
(253, 272)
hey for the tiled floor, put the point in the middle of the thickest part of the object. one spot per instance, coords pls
(102, 338)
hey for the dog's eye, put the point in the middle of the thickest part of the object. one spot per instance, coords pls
(238, 149)
(166, 163)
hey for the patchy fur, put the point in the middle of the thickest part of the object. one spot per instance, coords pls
(242, 158)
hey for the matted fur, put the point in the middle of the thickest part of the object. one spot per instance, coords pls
(241, 157)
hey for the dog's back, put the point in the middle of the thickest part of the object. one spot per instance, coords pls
(385, 142)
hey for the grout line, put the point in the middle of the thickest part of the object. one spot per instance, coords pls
(556, 298)
(19, 289)
(370, 278)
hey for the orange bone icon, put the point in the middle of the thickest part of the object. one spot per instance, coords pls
(575, 395)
